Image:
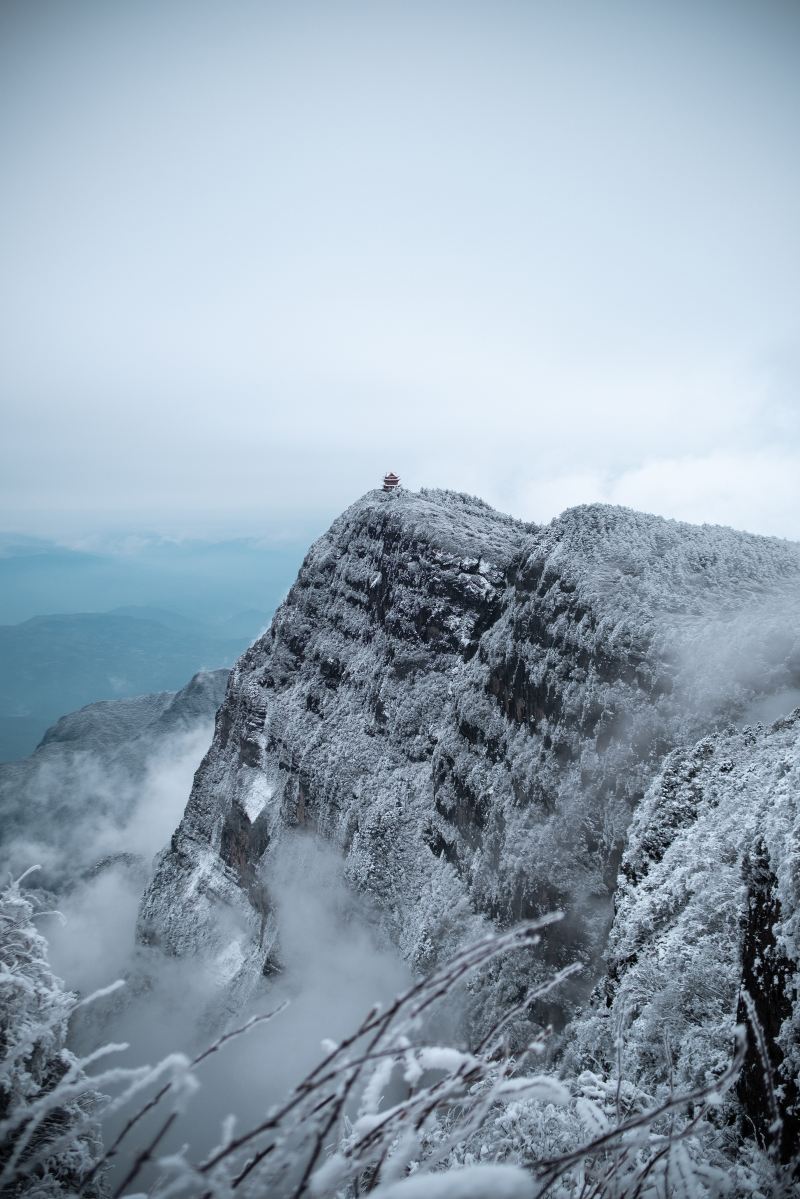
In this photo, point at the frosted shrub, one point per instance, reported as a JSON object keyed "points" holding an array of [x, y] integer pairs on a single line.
{"points": [[338, 1132], [383, 1113], [49, 1138], [50, 1107]]}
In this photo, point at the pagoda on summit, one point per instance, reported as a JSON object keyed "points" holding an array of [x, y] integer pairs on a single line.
{"points": [[390, 481]]}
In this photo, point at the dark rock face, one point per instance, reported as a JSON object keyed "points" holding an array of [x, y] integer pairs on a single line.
{"points": [[766, 1089], [708, 906], [334, 714], [471, 708]]}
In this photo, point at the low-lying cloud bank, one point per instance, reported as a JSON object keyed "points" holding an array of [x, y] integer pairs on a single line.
{"points": [[95, 826], [76, 809], [335, 966]]}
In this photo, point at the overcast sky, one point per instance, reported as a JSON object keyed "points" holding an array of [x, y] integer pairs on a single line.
{"points": [[255, 254]]}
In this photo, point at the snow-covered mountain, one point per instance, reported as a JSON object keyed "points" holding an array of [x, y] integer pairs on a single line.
{"points": [[486, 720], [472, 709]]}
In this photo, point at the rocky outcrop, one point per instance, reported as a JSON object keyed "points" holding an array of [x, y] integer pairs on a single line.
{"points": [[332, 721], [767, 1087], [471, 708], [705, 934], [89, 772]]}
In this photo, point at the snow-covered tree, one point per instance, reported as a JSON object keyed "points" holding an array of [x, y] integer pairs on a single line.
{"points": [[49, 1136], [385, 1112]]}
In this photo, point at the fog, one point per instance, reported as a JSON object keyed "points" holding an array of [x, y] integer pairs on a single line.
{"points": [[73, 810], [335, 967], [742, 663], [335, 964], [772, 707]]}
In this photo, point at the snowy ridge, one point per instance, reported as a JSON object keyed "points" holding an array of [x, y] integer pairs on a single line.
{"points": [[471, 708]]}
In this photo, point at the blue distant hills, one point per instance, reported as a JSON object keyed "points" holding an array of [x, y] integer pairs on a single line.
{"points": [[81, 627], [208, 581]]}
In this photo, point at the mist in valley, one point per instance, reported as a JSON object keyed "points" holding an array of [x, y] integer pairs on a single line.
{"points": [[335, 963]]}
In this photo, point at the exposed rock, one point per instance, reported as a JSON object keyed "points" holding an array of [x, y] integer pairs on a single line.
{"points": [[767, 1087], [471, 708], [708, 907]]}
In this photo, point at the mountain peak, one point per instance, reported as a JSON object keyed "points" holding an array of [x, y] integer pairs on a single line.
{"points": [[492, 692]]}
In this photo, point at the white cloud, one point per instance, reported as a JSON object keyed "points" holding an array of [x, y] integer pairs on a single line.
{"points": [[758, 491], [479, 250]]}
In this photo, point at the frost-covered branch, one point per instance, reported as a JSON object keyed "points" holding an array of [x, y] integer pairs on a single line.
{"points": [[385, 1112]]}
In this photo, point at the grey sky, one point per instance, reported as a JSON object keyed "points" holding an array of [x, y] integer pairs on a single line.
{"points": [[255, 254]]}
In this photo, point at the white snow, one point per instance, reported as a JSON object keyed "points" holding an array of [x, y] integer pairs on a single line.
{"points": [[228, 963], [479, 741], [470, 1182], [256, 796]]}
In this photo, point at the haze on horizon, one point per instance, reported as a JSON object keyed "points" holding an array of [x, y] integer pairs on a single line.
{"points": [[255, 255]]}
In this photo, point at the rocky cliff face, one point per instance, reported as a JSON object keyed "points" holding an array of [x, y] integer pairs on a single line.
{"points": [[471, 708], [705, 934]]}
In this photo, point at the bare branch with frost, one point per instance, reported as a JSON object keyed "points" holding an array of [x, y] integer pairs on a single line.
{"points": [[336, 1133]]}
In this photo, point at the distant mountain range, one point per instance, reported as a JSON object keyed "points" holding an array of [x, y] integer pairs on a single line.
{"points": [[54, 664], [138, 616], [204, 580]]}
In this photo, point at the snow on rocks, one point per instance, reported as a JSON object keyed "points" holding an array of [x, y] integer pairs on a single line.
{"points": [[707, 907], [471, 708]]}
